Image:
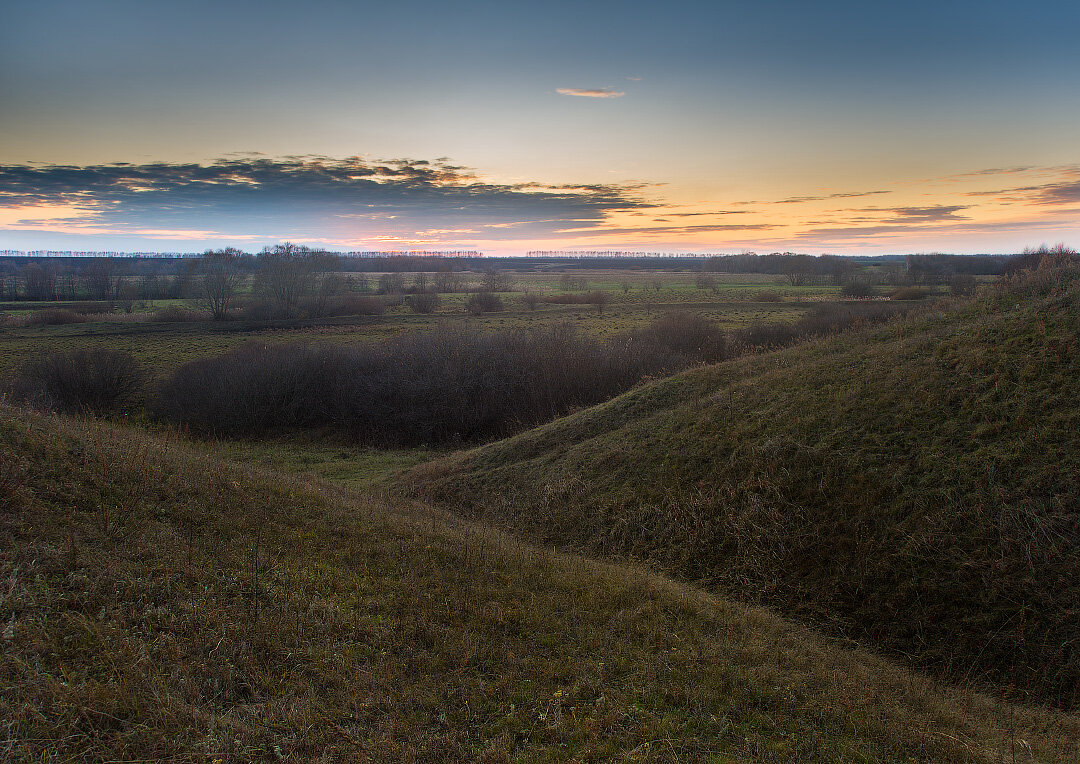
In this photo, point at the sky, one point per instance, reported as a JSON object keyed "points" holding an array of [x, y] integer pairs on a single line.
{"points": [[827, 127]]}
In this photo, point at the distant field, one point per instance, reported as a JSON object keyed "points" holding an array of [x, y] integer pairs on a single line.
{"points": [[634, 302]]}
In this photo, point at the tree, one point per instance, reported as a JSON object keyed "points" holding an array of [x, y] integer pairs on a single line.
{"points": [[797, 268], [101, 274], [287, 273], [447, 280], [391, 283], [420, 283], [40, 281], [221, 276], [705, 281], [495, 280], [598, 298]]}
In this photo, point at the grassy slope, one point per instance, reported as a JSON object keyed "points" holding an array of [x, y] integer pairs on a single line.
{"points": [[159, 603], [917, 485]]}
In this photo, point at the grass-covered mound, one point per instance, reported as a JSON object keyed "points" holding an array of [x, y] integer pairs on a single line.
{"points": [[159, 604], [915, 485]]}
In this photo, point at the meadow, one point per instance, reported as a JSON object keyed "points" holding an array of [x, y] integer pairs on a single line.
{"points": [[723, 520], [634, 300]]}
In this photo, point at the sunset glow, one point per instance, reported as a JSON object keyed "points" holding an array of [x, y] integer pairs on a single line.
{"points": [[692, 127]]}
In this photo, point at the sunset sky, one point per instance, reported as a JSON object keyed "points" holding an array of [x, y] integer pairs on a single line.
{"points": [[845, 127]]}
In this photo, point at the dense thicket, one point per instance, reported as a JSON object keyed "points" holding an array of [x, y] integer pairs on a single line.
{"points": [[443, 386], [452, 385], [80, 381]]}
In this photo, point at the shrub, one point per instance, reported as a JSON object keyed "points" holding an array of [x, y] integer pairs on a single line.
{"points": [[55, 317], [483, 302], [823, 319], [767, 295], [425, 302], [88, 381], [90, 307], [354, 305], [1041, 257], [564, 299], [694, 337], [434, 387], [531, 300], [176, 314], [962, 285], [859, 289], [911, 293], [449, 386]]}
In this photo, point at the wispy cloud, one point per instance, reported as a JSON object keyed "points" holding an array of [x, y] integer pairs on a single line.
{"points": [[932, 214], [591, 92], [841, 195]]}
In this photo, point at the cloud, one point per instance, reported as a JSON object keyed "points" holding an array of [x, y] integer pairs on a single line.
{"points": [[929, 214], [304, 197], [677, 230], [801, 199], [843, 195], [591, 93]]}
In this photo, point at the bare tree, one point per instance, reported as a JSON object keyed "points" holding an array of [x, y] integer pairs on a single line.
{"points": [[101, 275], [447, 280], [599, 299], [495, 280], [40, 281], [288, 273], [221, 276]]}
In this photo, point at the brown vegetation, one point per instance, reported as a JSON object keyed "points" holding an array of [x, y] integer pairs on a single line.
{"points": [[913, 486], [161, 605]]}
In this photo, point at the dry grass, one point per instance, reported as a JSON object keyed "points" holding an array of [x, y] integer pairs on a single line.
{"points": [[160, 604], [913, 486]]}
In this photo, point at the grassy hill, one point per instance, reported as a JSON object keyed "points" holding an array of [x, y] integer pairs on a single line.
{"points": [[158, 603], [915, 486]]}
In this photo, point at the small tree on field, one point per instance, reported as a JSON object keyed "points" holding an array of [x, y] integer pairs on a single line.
{"points": [[423, 302], [598, 298], [962, 285], [483, 302], [391, 283], [447, 281], [705, 281], [495, 280]]}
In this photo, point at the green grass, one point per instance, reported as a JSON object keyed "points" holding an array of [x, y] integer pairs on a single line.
{"points": [[159, 603], [914, 486], [163, 347], [320, 455]]}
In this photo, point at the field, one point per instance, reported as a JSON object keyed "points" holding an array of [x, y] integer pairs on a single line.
{"points": [[854, 545], [165, 346], [634, 301], [163, 604]]}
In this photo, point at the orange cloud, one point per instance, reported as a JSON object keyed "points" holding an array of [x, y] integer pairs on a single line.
{"points": [[591, 93]]}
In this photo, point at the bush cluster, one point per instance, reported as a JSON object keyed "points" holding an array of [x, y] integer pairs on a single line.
{"points": [[914, 292], [81, 381], [824, 319], [443, 386], [55, 317]]}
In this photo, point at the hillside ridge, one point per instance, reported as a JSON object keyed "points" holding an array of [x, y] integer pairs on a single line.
{"points": [[914, 486]]}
